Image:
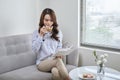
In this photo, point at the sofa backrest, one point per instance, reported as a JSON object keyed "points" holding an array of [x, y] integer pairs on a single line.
{"points": [[16, 52]]}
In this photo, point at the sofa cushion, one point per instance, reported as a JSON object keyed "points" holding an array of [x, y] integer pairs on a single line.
{"points": [[66, 45], [70, 67], [16, 52], [29, 73], [15, 44], [11, 62], [73, 57], [26, 73]]}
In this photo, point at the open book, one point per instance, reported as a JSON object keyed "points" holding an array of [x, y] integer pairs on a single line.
{"points": [[63, 51]]}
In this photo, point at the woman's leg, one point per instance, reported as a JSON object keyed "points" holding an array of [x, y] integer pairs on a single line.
{"points": [[62, 69], [50, 65], [47, 64], [55, 73]]}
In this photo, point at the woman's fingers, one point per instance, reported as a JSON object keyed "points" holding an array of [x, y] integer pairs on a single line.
{"points": [[49, 28], [59, 56], [43, 31]]}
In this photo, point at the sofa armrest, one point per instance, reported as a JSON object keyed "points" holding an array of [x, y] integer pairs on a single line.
{"points": [[73, 58]]}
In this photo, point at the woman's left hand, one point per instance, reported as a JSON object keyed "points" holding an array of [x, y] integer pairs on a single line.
{"points": [[59, 57]]}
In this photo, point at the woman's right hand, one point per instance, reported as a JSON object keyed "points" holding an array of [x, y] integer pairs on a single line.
{"points": [[43, 30]]}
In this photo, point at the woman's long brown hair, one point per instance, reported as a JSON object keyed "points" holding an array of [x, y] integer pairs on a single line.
{"points": [[53, 17]]}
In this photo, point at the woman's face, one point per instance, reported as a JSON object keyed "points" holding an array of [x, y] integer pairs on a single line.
{"points": [[48, 21]]}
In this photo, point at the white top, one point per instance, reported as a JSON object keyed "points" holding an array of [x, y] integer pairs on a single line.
{"points": [[45, 46]]}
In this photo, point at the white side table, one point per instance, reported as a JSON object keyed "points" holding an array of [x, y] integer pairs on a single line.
{"points": [[110, 74]]}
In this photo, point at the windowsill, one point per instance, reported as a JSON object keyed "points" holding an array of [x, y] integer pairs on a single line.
{"points": [[100, 50]]}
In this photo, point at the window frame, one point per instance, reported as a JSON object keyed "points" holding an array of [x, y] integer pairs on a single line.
{"points": [[82, 24]]}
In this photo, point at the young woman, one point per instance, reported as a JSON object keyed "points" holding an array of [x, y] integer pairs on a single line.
{"points": [[45, 42]]}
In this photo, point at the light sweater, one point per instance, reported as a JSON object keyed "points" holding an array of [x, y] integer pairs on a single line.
{"points": [[45, 46]]}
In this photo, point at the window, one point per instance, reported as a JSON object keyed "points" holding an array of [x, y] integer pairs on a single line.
{"points": [[100, 21]]}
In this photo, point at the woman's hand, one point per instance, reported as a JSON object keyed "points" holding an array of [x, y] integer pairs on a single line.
{"points": [[43, 30], [59, 57], [49, 28]]}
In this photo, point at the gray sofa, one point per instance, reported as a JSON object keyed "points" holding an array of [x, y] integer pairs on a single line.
{"points": [[17, 61]]}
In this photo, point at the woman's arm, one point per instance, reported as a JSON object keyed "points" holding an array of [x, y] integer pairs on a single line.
{"points": [[37, 41]]}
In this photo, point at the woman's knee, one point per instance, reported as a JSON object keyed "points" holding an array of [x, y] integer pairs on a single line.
{"points": [[54, 70], [39, 68], [42, 68], [59, 60], [55, 73]]}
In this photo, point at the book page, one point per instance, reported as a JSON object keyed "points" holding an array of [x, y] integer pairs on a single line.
{"points": [[63, 51]]}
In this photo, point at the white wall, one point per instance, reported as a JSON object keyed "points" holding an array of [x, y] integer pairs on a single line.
{"points": [[87, 58], [17, 17], [66, 12], [40, 5]]}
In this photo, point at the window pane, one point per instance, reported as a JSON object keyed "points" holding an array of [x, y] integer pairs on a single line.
{"points": [[102, 23]]}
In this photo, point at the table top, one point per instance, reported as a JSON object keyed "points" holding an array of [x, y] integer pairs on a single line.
{"points": [[110, 74]]}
